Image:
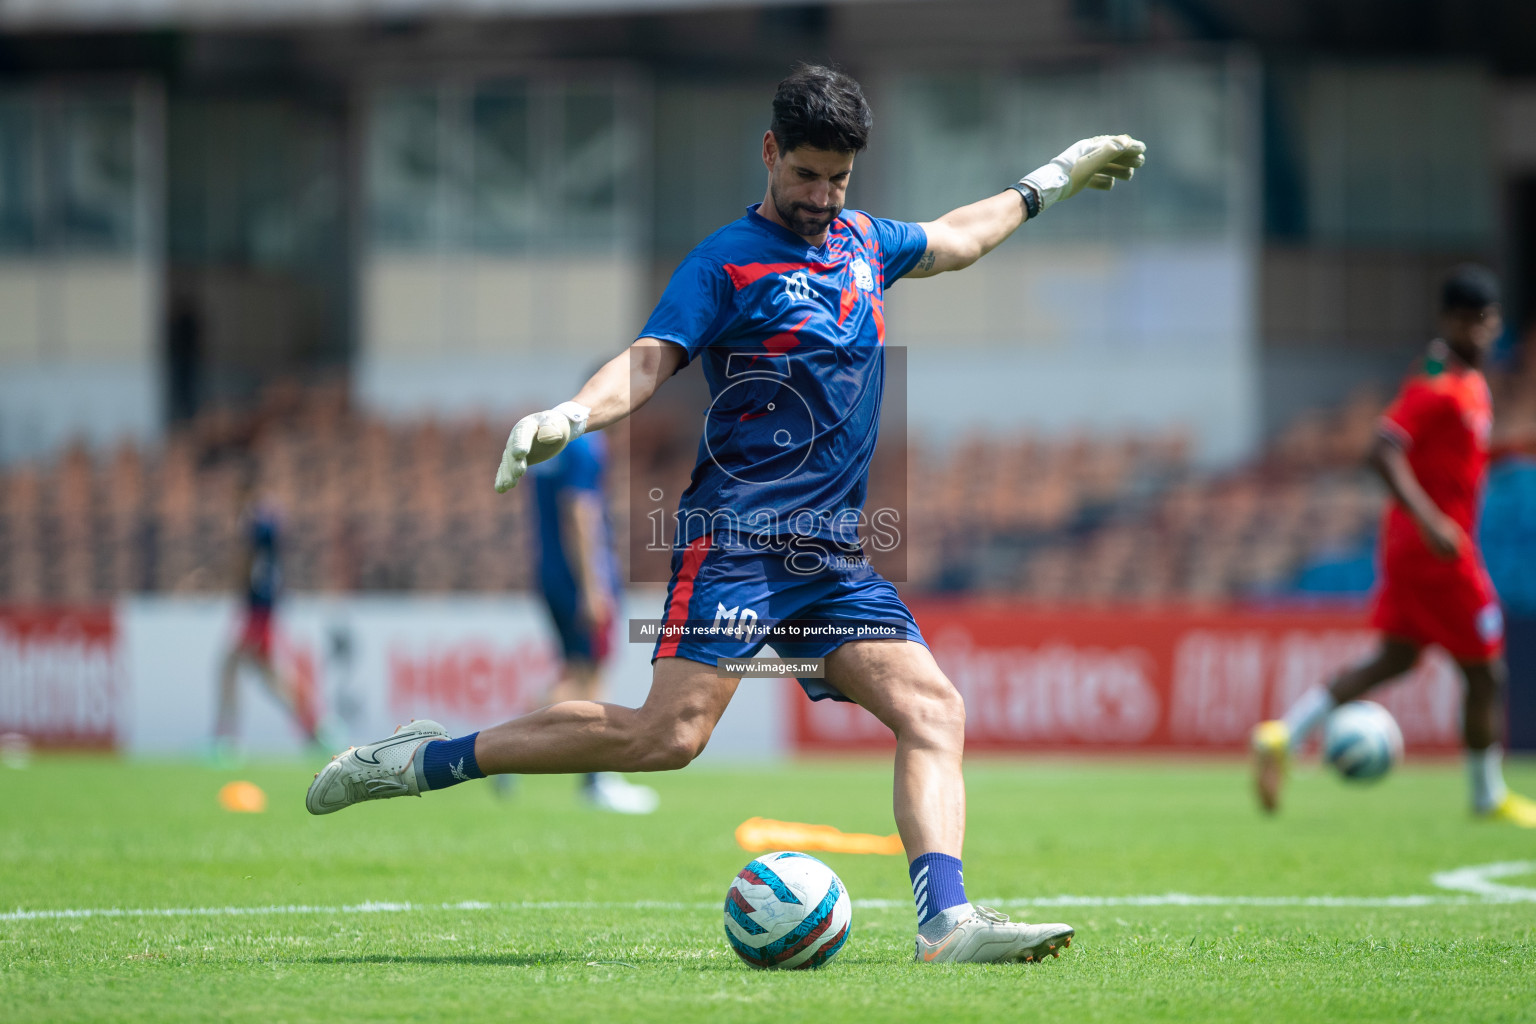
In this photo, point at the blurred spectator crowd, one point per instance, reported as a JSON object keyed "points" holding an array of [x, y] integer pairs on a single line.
{"points": [[375, 505], [364, 505]]}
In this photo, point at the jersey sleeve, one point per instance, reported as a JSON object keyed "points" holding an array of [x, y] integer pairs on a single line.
{"points": [[695, 307], [902, 244], [1411, 417]]}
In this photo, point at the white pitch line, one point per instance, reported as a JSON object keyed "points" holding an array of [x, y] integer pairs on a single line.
{"points": [[387, 907], [1478, 880], [1172, 899], [1475, 882]]}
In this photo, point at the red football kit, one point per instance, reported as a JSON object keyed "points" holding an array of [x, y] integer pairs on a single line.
{"points": [[1442, 422], [256, 633]]}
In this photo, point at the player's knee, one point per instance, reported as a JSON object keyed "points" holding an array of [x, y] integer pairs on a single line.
{"points": [[933, 711], [669, 755], [670, 749]]}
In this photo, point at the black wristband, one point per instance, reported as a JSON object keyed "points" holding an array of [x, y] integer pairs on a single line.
{"points": [[1031, 199]]}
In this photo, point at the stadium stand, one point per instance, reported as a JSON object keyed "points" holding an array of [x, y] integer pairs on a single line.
{"points": [[370, 505]]}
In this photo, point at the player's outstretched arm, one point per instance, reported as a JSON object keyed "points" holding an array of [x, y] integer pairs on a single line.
{"points": [[965, 235], [618, 388], [1520, 445]]}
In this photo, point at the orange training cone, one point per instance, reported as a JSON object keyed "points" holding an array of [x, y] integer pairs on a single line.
{"points": [[242, 798], [756, 834]]}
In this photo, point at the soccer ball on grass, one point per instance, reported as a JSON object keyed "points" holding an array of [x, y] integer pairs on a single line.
{"points": [[787, 910], [1362, 741]]}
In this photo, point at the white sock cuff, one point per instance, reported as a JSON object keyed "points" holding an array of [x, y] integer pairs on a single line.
{"points": [[1485, 770], [1308, 713]]}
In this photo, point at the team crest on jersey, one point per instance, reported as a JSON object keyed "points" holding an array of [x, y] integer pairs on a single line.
{"points": [[863, 276]]}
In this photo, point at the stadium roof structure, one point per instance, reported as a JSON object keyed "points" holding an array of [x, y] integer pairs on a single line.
{"points": [[89, 14]]}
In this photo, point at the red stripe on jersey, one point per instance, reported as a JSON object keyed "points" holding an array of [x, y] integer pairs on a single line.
{"points": [[867, 226], [750, 273], [682, 593], [783, 342], [845, 304]]}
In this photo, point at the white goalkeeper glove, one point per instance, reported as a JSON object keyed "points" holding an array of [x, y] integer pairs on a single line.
{"points": [[537, 438], [1092, 163]]}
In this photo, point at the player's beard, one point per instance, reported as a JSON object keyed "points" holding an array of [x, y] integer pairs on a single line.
{"points": [[803, 219]]}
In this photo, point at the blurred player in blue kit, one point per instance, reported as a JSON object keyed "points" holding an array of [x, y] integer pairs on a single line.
{"points": [[258, 578], [579, 579], [785, 309]]}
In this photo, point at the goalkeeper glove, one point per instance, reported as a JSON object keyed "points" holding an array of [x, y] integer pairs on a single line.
{"points": [[1092, 163], [537, 438]]}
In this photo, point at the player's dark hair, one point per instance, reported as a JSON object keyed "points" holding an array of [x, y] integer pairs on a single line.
{"points": [[822, 108], [1469, 286]]}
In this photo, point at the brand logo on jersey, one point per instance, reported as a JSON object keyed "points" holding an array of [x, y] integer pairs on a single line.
{"points": [[863, 276], [798, 287], [1490, 624], [737, 622]]}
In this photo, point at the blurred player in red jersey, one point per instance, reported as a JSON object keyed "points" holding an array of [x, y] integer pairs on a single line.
{"points": [[1432, 450]]}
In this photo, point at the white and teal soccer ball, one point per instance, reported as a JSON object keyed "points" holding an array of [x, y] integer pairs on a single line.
{"points": [[787, 910], [1362, 741]]}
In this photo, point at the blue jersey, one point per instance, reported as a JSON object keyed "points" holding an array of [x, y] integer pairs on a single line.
{"points": [[266, 577], [578, 469], [792, 337]]}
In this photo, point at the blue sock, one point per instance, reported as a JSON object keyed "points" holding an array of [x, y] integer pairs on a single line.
{"points": [[445, 763], [937, 885]]}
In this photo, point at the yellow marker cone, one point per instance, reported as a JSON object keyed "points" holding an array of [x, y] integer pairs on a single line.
{"points": [[242, 798], [757, 834]]}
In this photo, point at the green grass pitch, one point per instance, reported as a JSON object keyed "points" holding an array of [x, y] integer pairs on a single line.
{"points": [[85, 833]]}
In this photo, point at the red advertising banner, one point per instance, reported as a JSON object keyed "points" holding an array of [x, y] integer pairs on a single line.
{"points": [[1036, 679], [59, 676], [470, 679]]}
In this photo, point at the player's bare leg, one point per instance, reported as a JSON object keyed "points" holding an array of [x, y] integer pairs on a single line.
{"points": [[668, 731], [1274, 740], [1482, 732], [229, 697], [227, 723], [900, 684], [581, 679], [1396, 657], [286, 693], [665, 733], [1483, 717], [273, 681]]}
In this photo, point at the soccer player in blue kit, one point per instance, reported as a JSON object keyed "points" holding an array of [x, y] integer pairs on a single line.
{"points": [[785, 307], [258, 576]]}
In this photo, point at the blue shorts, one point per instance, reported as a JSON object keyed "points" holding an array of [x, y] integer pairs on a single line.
{"points": [[736, 600]]}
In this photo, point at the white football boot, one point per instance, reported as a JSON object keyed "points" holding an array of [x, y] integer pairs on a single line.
{"points": [[611, 792], [987, 937], [372, 772]]}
